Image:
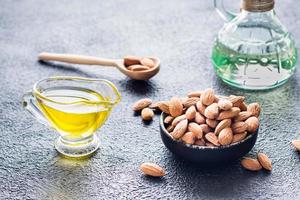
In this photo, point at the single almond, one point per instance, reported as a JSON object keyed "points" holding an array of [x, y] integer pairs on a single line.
{"points": [[264, 161], [207, 97], [195, 94], [147, 114], [211, 137], [131, 60], [190, 113], [225, 136], [254, 108], [196, 129], [175, 107], [212, 123], [170, 128], [200, 142], [147, 62], [189, 138], [178, 119], [236, 100], [141, 104], [224, 104], [168, 119], [200, 107], [223, 124], [164, 106], [228, 114], [296, 144], [190, 101], [239, 127], [200, 119], [251, 164], [252, 124], [205, 128], [239, 137], [138, 68], [212, 111], [243, 106], [242, 116], [180, 129], [152, 169]]}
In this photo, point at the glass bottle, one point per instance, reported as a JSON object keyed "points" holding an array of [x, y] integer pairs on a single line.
{"points": [[253, 50]]}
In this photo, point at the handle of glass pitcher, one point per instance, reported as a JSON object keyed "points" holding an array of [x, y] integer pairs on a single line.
{"points": [[29, 103], [222, 11]]}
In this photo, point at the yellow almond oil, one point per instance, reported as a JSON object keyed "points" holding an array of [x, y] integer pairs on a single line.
{"points": [[74, 112]]}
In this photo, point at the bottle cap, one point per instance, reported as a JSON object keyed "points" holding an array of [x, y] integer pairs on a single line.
{"points": [[257, 5]]}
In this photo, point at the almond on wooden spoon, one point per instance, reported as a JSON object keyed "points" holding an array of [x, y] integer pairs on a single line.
{"points": [[144, 68]]}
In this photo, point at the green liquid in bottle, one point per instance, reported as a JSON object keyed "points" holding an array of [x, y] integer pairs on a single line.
{"points": [[247, 71]]}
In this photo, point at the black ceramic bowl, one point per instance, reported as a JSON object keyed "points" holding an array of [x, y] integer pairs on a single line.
{"points": [[204, 154]]}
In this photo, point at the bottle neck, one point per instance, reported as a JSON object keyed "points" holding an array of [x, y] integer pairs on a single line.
{"points": [[264, 13], [257, 5]]}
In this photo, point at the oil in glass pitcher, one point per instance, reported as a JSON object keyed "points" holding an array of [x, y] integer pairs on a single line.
{"points": [[253, 50]]}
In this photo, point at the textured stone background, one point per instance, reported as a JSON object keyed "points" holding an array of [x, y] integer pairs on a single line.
{"points": [[181, 34]]}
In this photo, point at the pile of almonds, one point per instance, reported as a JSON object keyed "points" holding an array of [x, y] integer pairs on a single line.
{"points": [[206, 119], [135, 63]]}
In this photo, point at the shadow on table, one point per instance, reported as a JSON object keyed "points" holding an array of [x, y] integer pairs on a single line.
{"points": [[219, 181]]}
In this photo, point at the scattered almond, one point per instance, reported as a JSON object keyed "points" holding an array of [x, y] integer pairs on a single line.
{"points": [[164, 106], [252, 124], [296, 144], [207, 97], [194, 94], [147, 114], [212, 123], [239, 137], [168, 119], [264, 161], [190, 101], [236, 100], [190, 113], [189, 138], [223, 124], [178, 119], [200, 107], [251, 164], [152, 169], [200, 119], [141, 104], [224, 104], [225, 136], [239, 127], [180, 129], [243, 106], [212, 138], [205, 128], [196, 129], [254, 108], [175, 107], [212, 111], [228, 114], [242, 116]]}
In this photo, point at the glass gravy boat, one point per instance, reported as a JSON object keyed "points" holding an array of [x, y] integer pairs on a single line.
{"points": [[75, 107]]}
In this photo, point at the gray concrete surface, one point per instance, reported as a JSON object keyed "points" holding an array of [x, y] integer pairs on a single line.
{"points": [[180, 33]]}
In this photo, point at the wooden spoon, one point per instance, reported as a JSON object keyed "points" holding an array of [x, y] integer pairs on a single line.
{"points": [[89, 60]]}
